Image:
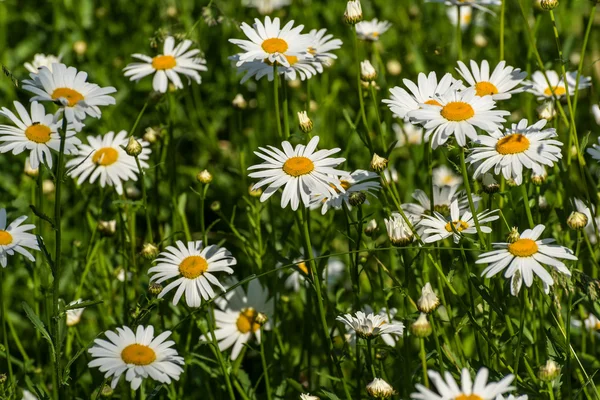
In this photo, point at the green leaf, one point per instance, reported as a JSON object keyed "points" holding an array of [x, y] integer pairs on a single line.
{"points": [[83, 304], [41, 215], [155, 392], [329, 395], [39, 325]]}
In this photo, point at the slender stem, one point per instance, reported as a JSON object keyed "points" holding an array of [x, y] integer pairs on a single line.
{"points": [[264, 364], [276, 99], [521, 329], [424, 362], [502, 19], [437, 342], [137, 120], [370, 365], [567, 374], [149, 237], [286, 121], [526, 204], [379, 125], [459, 54], [471, 298], [202, 223], [56, 320], [465, 175], [361, 101], [211, 327], [4, 334], [583, 50], [551, 390]]}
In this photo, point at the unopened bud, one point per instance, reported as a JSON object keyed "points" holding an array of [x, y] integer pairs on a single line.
{"points": [[107, 228], [215, 206], [547, 110], [421, 328], [31, 172], [577, 220], [428, 301], [549, 4], [394, 67], [254, 192], [2, 379], [151, 135], [133, 148], [353, 13], [490, 185], [80, 47], [204, 177], [305, 123], [367, 71], [539, 179], [155, 288], [48, 186], [357, 198], [149, 251], [378, 164], [514, 235], [371, 228], [380, 389], [106, 391], [549, 371], [239, 102]]}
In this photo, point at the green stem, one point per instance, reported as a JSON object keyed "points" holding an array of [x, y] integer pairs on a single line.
{"points": [[459, 54], [466, 181], [202, 223], [361, 101], [424, 362], [149, 237], [502, 19], [370, 365], [137, 120], [11, 378], [521, 329], [219, 355], [437, 343], [286, 122], [264, 364], [526, 204], [551, 390], [379, 125], [276, 99]]}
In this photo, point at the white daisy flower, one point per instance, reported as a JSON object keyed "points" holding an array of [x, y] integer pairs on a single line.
{"points": [[138, 355], [269, 43], [371, 30], [358, 181], [41, 60], [27, 395], [298, 276], [442, 198], [106, 158], [321, 48], [391, 175], [36, 132], [67, 86], [466, 16], [399, 233], [519, 147], [389, 339], [458, 113], [444, 176], [448, 389], [167, 66], [408, 133], [308, 396], [194, 267], [543, 90], [437, 227], [15, 238], [524, 258], [332, 273], [236, 322], [464, 4], [501, 84], [511, 397], [591, 323], [74, 314], [299, 68], [589, 229], [596, 113], [595, 151], [424, 92], [266, 6], [369, 326], [301, 170]]}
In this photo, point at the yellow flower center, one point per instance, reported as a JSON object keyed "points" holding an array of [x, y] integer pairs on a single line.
{"points": [[312, 50], [138, 354], [296, 166], [292, 59], [433, 102], [468, 397], [344, 184], [512, 144], [458, 225], [193, 266], [72, 96], [485, 89], [597, 327], [105, 156], [275, 45], [302, 266], [448, 179], [457, 111], [523, 248], [558, 90], [246, 322], [164, 62], [38, 133], [5, 238], [375, 34]]}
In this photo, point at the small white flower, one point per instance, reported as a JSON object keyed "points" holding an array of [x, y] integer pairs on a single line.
{"points": [[353, 13], [137, 355], [444, 176], [407, 134], [15, 238], [358, 181], [41, 60], [321, 48], [371, 30], [428, 301], [371, 325], [74, 315], [266, 6], [442, 198], [466, 16], [367, 71], [556, 86], [398, 230], [596, 113]]}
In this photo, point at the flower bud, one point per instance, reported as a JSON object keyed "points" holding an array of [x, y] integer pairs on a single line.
{"points": [[367, 71], [239, 102], [480, 40], [549, 4], [428, 301], [305, 123], [133, 192], [547, 110], [133, 148], [149, 251], [378, 164], [353, 13], [490, 185], [394, 67], [549, 371], [2, 379], [151, 135], [155, 288], [514, 235], [254, 192], [80, 47], [48, 186], [421, 328], [107, 228], [204, 177], [357, 198], [380, 389], [261, 318], [31, 172], [539, 179], [306, 396], [106, 391], [215, 206], [371, 228], [577, 220]]}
